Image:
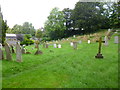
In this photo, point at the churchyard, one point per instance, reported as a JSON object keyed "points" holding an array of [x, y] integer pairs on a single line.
{"points": [[65, 65]]}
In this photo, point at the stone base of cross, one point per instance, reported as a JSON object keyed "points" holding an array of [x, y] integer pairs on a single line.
{"points": [[99, 56]]}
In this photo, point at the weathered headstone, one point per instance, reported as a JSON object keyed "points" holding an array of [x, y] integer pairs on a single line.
{"points": [[88, 41], [71, 43], [59, 45], [106, 41], [99, 55], [74, 36], [18, 52], [116, 40], [23, 49], [55, 45], [8, 52], [46, 45], [1, 52], [74, 45]]}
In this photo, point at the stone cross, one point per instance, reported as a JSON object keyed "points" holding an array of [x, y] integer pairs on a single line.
{"points": [[106, 41], [74, 45], [116, 39], [8, 52], [18, 52], [99, 55]]}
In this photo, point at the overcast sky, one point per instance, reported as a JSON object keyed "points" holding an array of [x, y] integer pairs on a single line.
{"points": [[34, 11]]}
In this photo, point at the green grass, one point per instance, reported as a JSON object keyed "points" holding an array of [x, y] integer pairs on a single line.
{"points": [[64, 68]]}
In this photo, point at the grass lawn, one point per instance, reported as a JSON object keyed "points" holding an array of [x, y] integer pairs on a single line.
{"points": [[64, 68]]}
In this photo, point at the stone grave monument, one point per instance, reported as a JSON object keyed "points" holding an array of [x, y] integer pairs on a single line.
{"points": [[18, 52]]}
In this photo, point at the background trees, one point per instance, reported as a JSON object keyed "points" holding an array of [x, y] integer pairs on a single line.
{"points": [[54, 26]]}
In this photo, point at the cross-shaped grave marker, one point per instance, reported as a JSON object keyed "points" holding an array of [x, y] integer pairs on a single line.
{"points": [[99, 55]]}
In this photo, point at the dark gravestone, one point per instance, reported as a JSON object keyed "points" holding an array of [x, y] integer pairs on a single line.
{"points": [[99, 55], [8, 52]]}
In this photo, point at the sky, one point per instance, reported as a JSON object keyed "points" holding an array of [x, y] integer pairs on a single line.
{"points": [[33, 11]]}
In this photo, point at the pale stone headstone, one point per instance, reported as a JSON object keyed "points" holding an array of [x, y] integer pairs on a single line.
{"points": [[88, 41], [0, 45], [71, 43], [55, 45], [59, 45], [106, 41], [80, 42], [8, 52], [74, 36], [18, 52], [74, 45], [116, 39]]}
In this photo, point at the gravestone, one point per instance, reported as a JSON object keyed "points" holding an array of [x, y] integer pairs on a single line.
{"points": [[1, 52], [18, 52], [116, 41], [55, 45], [99, 55], [74, 45], [23, 49], [8, 52], [13, 51], [59, 45], [88, 41], [106, 41], [80, 42], [74, 36], [46, 45], [71, 43]]}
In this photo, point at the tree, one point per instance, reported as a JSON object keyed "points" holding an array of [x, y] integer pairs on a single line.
{"points": [[54, 26], [4, 28], [88, 17], [114, 15], [68, 13], [38, 34]]}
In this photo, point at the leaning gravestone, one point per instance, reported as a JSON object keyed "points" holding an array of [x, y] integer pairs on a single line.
{"points": [[74, 45], [8, 52], [106, 41], [1, 52], [18, 52], [116, 39]]}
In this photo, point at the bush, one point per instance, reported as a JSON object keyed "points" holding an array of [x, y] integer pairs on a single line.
{"points": [[27, 42]]}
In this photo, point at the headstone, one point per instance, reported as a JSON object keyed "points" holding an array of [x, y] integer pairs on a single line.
{"points": [[99, 55], [23, 49], [88, 41], [80, 42], [71, 43], [106, 41], [18, 52], [59, 45], [8, 52], [46, 45], [74, 36], [116, 40], [1, 52], [74, 45], [55, 45]]}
